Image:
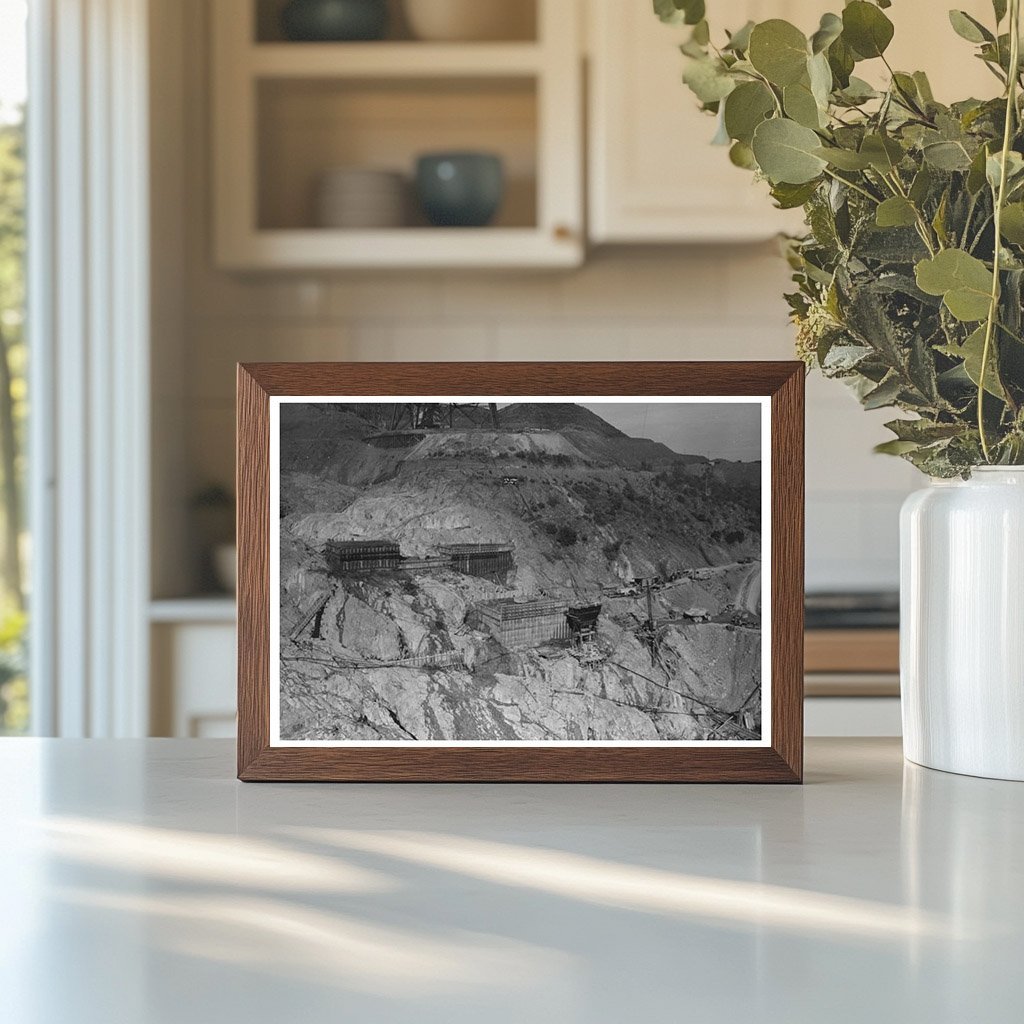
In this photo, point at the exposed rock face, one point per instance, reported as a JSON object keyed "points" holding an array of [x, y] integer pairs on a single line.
{"points": [[388, 655]]}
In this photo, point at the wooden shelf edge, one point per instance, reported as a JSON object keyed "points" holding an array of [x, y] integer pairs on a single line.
{"points": [[406, 248], [852, 650], [392, 60]]}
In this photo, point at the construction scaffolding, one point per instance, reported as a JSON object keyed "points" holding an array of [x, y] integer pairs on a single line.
{"points": [[583, 623], [522, 624], [348, 556], [489, 561]]}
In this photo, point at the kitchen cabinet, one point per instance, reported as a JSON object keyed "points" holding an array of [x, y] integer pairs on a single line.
{"points": [[192, 648], [653, 175], [286, 113]]}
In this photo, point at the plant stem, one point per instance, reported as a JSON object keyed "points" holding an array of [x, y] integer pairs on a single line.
{"points": [[856, 188], [923, 228], [993, 309]]}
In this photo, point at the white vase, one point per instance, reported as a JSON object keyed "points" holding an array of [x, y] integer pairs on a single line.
{"points": [[962, 624]]}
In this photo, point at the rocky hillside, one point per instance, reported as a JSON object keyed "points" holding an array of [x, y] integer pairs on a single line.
{"points": [[390, 654]]}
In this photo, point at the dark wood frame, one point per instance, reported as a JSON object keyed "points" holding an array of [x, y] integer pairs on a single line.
{"points": [[782, 761]]}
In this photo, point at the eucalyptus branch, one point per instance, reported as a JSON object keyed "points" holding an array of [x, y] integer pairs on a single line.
{"points": [[850, 184], [875, 302], [1000, 200]]}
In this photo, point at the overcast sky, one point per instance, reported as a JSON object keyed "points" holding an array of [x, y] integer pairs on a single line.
{"points": [[717, 430]]}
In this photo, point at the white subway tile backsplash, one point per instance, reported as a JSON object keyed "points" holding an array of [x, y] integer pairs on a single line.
{"points": [[573, 341], [755, 282], [510, 297], [455, 342], [714, 340], [413, 296], [645, 285], [247, 298]]}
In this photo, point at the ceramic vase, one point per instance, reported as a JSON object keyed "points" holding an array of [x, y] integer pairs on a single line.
{"points": [[962, 624]]}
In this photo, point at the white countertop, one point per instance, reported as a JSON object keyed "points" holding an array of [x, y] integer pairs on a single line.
{"points": [[143, 885]]}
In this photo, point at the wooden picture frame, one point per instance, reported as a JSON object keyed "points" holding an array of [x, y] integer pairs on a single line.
{"points": [[777, 757]]}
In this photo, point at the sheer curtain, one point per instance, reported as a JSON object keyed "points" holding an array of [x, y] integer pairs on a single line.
{"points": [[88, 299]]}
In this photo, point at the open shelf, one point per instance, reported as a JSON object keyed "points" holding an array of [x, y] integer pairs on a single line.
{"points": [[308, 127], [520, 17]]}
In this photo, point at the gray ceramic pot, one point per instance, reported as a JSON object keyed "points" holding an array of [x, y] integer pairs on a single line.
{"points": [[460, 189], [334, 20]]}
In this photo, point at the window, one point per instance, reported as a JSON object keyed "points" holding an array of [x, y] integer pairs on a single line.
{"points": [[14, 548]]}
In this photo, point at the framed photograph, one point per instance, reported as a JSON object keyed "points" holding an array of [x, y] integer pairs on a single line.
{"points": [[520, 572]]}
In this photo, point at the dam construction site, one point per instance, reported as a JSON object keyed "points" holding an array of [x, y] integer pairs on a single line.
{"points": [[523, 573]]}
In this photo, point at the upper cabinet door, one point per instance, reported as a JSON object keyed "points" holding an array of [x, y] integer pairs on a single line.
{"points": [[653, 174]]}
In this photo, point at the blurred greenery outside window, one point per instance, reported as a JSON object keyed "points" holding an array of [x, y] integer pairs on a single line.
{"points": [[14, 548]]}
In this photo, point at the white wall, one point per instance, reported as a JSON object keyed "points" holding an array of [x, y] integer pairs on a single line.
{"points": [[665, 303]]}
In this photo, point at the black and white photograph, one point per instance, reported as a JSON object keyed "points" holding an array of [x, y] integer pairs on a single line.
{"points": [[532, 571]]}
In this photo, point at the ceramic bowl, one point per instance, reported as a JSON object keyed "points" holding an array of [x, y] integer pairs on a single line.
{"points": [[460, 189], [470, 20], [334, 20], [359, 197]]}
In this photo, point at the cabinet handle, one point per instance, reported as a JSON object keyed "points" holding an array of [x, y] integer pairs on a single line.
{"points": [[563, 232]]}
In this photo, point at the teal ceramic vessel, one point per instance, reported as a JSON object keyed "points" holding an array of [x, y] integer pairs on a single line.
{"points": [[334, 21], [461, 190]]}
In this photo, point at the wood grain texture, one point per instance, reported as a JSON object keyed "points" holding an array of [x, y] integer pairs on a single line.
{"points": [[781, 762]]}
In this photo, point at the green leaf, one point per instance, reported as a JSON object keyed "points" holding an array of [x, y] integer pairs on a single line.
{"points": [[841, 60], [1012, 226], [844, 159], [820, 76], [789, 197], [739, 41], [778, 50], [785, 152], [969, 28], [923, 431], [1014, 169], [676, 12], [924, 87], [939, 220], [866, 29], [829, 30], [946, 156], [741, 155], [746, 107], [882, 153], [800, 105], [884, 395], [896, 212], [976, 173], [896, 447], [858, 91], [999, 7], [963, 281], [921, 185], [971, 352], [708, 80]]}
